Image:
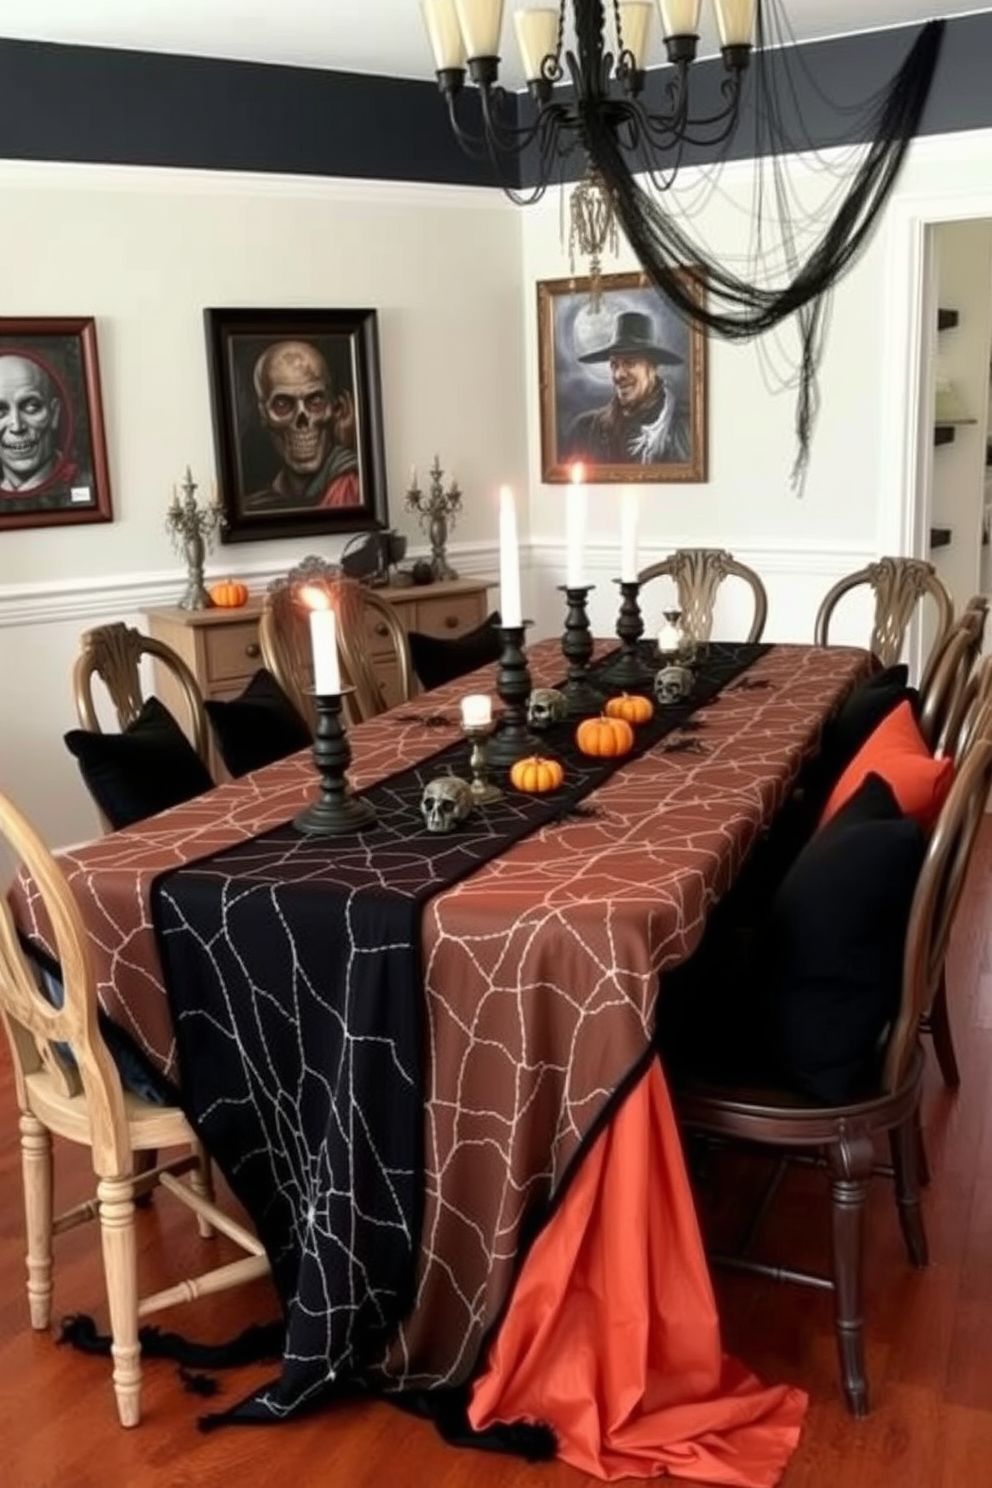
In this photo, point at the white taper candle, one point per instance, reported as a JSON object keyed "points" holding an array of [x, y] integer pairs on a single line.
{"points": [[575, 528], [628, 536], [509, 560], [324, 643]]}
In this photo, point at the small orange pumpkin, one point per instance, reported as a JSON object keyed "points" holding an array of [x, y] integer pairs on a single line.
{"points": [[229, 594], [604, 736], [537, 774], [631, 706]]}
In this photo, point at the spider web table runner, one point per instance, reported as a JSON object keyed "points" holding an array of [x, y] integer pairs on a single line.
{"points": [[293, 970]]}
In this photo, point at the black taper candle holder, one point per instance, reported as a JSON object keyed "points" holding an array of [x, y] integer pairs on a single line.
{"points": [[581, 697], [629, 670], [336, 810], [513, 740]]}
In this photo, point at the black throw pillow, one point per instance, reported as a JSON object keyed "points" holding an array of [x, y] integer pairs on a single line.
{"points": [[439, 659], [855, 720], [257, 728], [144, 770], [829, 953]]}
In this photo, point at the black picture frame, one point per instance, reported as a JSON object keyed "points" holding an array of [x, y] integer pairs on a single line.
{"points": [[297, 413], [53, 448], [580, 417]]}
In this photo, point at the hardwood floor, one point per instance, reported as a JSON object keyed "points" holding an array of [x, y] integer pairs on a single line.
{"points": [[929, 1332]]}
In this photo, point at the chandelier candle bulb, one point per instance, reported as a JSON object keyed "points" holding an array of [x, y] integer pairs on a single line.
{"points": [[445, 34], [537, 38], [680, 17], [575, 528], [635, 17], [481, 22], [477, 710], [628, 536], [735, 22], [509, 560]]}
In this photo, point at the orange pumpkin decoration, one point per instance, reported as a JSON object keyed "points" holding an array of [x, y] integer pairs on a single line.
{"points": [[631, 706], [536, 774], [229, 594], [604, 736]]}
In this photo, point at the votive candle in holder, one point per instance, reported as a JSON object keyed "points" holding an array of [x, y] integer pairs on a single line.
{"points": [[511, 610], [477, 710], [324, 643]]}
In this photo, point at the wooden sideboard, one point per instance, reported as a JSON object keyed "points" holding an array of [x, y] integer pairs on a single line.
{"points": [[221, 646]]}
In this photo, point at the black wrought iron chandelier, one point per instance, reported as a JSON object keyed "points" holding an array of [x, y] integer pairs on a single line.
{"points": [[633, 128]]}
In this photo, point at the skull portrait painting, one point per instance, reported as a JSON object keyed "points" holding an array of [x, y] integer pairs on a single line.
{"points": [[311, 423]]}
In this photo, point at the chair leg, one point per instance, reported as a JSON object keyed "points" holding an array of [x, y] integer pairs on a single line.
{"points": [[903, 1141], [201, 1181], [850, 1161], [36, 1176], [922, 1160], [120, 1268], [943, 1040]]}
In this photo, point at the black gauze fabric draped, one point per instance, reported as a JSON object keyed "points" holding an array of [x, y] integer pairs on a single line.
{"points": [[738, 310]]}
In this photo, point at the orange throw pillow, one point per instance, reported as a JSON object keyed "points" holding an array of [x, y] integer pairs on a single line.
{"points": [[898, 752]]}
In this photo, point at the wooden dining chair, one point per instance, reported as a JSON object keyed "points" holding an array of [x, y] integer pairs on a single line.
{"points": [[945, 684], [842, 1135], [973, 618], [67, 1085], [899, 586], [113, 654], [365, 624], [698, 574], [957, 734]]}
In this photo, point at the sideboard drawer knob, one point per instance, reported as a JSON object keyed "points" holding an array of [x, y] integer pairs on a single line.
{"points": [[382, 628], [451, 622], [253, 649]]}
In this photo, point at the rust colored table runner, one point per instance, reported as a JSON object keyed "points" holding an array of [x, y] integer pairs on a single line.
{"points": [[540, 970], [295, 988]]}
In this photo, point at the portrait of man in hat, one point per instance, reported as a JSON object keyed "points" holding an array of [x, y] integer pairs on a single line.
{"points": [[622, 382]]}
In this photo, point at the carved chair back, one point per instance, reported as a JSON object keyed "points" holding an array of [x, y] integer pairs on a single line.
{"points": [[945, 692], [698, 574], [899, 585], [113, 653]]}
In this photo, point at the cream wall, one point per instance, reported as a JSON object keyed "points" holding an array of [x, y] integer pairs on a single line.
{"points": [[144, 252]]}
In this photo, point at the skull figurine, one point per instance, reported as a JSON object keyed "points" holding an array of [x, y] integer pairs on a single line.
{"points": [[672, 684], [545, 706], [445, 803]]}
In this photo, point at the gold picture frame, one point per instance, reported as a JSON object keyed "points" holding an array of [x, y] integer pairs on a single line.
{"points": [[602, 366]]}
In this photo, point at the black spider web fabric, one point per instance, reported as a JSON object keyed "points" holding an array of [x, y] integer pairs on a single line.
{"points": [[293, 970]]}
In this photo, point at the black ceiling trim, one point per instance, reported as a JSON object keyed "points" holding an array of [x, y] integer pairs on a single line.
{"points": [[92, 104]]}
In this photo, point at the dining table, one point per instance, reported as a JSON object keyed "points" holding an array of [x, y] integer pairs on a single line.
{"points": [[557, 1273]]}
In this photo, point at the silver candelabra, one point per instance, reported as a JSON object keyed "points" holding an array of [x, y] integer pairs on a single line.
{"points": [[191, 528], [436, 509]]}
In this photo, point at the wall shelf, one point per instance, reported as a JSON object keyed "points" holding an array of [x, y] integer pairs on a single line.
{"points": [[945, 431]]}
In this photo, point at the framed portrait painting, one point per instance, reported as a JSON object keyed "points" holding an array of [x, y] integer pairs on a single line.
{"points": [[623, 383], [53, 451], [297, 415]]}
